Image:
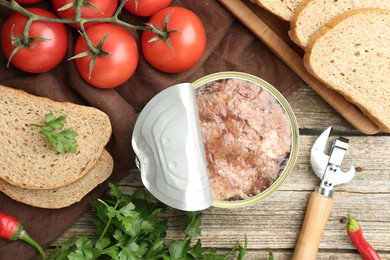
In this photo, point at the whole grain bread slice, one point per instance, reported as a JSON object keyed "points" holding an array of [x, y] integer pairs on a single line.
{"points": [[27, 159], [283, 9], [66, 195], [351, 55], [311, 15]]}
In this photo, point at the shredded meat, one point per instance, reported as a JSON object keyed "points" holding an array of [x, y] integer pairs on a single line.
{"points": [[247, 137]]}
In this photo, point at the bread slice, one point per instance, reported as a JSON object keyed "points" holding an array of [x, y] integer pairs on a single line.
{"points": [[284, 9], [27, 159], [351, 55], [66, 195], [311, 15]]}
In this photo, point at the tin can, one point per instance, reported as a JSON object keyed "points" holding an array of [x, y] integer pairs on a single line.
{"points": [[170, 148]]}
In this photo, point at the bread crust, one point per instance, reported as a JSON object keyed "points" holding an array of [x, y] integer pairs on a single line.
{"points": [[279, 8], [311, 15], [27, 160], [63, 196], [294, 20], [367, 109]]}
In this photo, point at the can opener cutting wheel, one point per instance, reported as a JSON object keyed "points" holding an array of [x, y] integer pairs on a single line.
{"points": [[327, 168]]}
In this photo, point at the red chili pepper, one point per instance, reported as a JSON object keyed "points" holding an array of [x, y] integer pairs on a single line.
{"points": [[355, 233], [12, 229]]}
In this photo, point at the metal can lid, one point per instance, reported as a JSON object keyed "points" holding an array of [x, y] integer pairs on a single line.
{"points": [[167, 141]]}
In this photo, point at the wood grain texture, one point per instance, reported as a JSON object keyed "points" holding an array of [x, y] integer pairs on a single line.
{"points": [[275, 222], [317, 213]]}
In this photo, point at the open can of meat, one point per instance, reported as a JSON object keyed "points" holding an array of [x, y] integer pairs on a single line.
{"points": [[228, 140]]}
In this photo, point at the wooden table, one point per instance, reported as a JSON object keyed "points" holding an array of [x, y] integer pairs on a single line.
{"points": [[275, 222]]}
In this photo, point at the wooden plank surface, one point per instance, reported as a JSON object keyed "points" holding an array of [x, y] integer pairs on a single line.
{"points": [[275, 222]]}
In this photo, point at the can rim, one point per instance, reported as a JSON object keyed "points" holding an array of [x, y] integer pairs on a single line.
{"points": [[293, 124]]}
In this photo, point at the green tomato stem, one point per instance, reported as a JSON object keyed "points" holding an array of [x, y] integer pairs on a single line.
{"points": [[77, 14], [94, 50], [77, 19], [25, 38]]}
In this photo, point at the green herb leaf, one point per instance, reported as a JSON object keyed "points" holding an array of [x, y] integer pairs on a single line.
{"points": [[197, 251], [84, 249], [242, 249], [270, 255], [132, 227], [156, 248], [102, 243], [179, 249], [56, 123], [193, 226], [133, 251], [61, 140]]}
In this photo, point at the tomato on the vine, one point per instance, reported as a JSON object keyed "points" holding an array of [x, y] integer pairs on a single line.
{"points": [[90, 9], [45, 47], [145, 7], [116, 61], [184, 44]]}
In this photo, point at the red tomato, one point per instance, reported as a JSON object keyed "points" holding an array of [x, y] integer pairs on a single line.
{"points": [[27, 2], [100, 9], [120, 63], [146, 7], [42, 55], [188, 43]]}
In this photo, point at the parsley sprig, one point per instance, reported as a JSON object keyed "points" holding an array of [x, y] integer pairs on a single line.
{"points": [[61, 140], [131, 227]]}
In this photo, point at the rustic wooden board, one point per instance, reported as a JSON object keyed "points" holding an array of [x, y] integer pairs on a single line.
{"points": [[273, 33]]}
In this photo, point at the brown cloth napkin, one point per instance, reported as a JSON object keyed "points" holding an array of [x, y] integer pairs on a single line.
{"points": [[230, 47]]}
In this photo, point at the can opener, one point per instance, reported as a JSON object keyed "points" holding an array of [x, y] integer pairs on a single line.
{"points": [[327, 168]]}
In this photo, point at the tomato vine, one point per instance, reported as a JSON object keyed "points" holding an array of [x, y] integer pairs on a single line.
{"points": [[14, 6], [173, 40]]}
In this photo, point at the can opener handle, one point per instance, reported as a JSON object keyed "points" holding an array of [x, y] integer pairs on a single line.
{"points": [[316, 217], [321, 202]]}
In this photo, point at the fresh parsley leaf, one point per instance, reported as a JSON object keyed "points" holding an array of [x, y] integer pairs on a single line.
{"points": [[102, 243], [155, 248], [125, 215], [197, 251], [193, 226], [242, 249], [271, 255], [82, 249], [178, 249], [61, 140], [56, 123], [132, 227], [133, 251], [115, 192], [62, 252]]}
